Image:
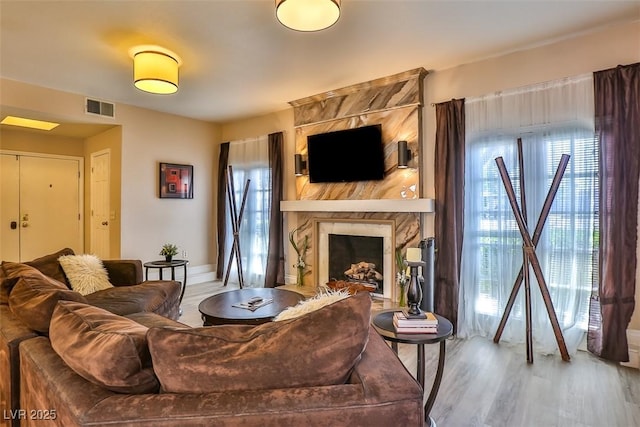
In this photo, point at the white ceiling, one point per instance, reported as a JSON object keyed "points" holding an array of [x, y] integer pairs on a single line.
{"points": [[238, 61]]}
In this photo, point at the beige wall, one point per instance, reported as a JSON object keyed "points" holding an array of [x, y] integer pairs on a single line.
{"points": [[39, 142], [591, 52], [147, 138]]}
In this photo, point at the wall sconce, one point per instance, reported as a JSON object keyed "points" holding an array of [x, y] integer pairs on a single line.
{"points": [[404, 155], [300, 164]]}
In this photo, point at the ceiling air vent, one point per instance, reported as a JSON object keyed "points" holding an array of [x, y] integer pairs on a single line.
{"points": [[101, 108]]}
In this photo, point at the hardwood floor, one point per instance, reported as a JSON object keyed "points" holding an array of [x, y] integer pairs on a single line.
{"points": [[490, 385]]}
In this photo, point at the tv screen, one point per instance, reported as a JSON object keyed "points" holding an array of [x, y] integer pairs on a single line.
{"points": [[346, 155]]}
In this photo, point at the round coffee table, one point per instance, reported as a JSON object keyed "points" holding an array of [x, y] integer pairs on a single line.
{"points": [[219, 309], [383, 323]]}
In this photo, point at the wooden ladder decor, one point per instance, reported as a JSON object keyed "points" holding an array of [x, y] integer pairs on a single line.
{"points": [[530, 257], [236, 221]]}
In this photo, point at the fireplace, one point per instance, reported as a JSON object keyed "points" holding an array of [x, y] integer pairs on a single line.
{"points": [[357, 259], [356, 250]]}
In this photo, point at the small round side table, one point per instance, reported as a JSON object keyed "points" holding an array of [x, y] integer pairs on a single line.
{"points": [[161, 265], [383, 323]]}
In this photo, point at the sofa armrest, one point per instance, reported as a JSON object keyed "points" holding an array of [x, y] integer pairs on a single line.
{"points": [[123, 272], [12, 333], [384, 377]]}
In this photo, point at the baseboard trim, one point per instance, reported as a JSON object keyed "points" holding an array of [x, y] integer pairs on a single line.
{"points": [[633, 341]]}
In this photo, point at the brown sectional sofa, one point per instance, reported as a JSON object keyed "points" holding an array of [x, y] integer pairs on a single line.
{"points": [[130, 296], [231, 375]]}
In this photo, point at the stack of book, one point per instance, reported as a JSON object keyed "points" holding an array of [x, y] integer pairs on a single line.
{"points": [[425, 323]]}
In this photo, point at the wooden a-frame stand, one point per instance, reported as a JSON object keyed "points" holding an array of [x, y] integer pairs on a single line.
{"points": [[236, 221], [529, 253]]}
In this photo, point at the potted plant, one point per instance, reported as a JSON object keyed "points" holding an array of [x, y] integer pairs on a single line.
{"points": [[169, 250]]}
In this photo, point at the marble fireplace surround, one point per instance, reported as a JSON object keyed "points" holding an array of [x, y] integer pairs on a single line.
{"points": [[392, 208], [323, 227]]}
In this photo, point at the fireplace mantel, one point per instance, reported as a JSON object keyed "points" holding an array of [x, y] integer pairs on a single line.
{"points": [[376, 205]]}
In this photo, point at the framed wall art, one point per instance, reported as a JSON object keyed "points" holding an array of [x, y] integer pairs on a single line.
{"points": [[176, 181]]}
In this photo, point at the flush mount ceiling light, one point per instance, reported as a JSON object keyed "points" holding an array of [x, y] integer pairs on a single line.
{"points": [[155, 69], [308, 15], [29, 123]]}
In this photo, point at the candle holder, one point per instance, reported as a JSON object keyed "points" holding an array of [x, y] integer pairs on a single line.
{"points": [[414, 291]]}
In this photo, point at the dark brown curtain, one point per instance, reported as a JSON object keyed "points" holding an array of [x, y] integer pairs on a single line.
{"points": [[275, 257], [223, 162], [617, 121], [449, 192]]}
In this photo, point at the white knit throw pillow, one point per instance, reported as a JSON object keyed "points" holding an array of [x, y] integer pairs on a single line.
{"points": [[85, 273], [312, 304]]}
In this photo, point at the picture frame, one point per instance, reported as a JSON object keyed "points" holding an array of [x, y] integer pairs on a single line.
{"points": [[176, 181]]}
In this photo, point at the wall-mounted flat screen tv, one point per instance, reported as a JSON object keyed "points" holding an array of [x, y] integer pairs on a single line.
{"points": [[348, 155]]}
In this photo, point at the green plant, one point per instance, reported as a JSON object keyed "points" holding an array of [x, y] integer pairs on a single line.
{"points": [[169, 249]]}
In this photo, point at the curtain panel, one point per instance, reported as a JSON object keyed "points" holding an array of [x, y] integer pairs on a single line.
{"points": [[449, 205], [275, 256], [617, 119], [223, 162], [249, 159], [551, 118]]}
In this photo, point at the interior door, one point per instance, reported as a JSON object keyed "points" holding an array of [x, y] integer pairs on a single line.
{"points": [[48, 206], [9, 207], [100, 207]]}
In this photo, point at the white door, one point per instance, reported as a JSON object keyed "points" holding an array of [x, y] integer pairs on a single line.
{"points": [[100, 207], [48, 206], [10, 207]]}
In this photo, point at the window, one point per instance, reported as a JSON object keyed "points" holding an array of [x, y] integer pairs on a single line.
{"points": [[250, 161], [492, 247]]}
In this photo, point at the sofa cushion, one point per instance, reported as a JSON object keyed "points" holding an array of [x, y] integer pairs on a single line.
{"points": [[156, 296], [35, 295], [85, 273], [102, 347], [319, 348], [50, 266]]}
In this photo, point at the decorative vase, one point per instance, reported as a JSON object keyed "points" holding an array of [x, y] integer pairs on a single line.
{"points": [[402, 302], [300, 276], [168, 258]]}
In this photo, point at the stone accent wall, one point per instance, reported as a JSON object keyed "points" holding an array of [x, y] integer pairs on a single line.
{"points": [[396, 103]]}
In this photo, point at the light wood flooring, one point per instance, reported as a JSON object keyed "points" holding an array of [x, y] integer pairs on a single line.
{"points": [[490, 385]]}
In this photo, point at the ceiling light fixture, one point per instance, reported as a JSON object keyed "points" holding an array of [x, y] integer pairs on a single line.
{"points": [[29, 123], [308, 15], [155, 70]]}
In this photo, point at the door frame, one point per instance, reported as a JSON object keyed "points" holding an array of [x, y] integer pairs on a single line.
{"points": [[80, 182], [92, 157]]}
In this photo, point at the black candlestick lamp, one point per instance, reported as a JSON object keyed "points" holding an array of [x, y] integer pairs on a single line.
{"points": [[414, 291]]}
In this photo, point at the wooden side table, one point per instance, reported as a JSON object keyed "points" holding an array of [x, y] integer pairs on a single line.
{"points": [[383, 323], [161, 265]]}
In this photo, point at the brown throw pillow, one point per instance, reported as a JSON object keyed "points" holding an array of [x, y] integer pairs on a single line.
{"points": [[50, 266], [319, 348], [104, 348], [34, 296]]}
